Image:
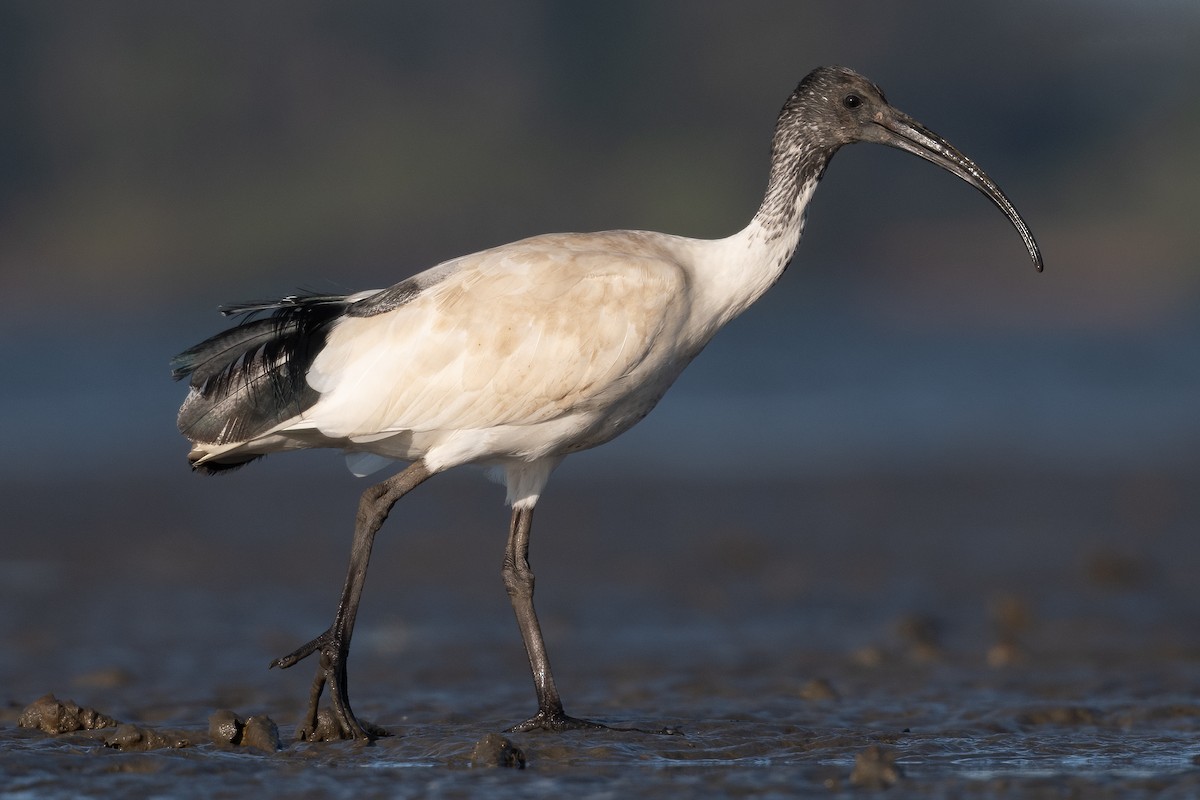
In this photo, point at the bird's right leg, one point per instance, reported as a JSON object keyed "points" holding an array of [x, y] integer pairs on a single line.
{"points": [[334, 644], [519, 581]]}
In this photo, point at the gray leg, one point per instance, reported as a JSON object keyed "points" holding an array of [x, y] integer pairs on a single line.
{"points": [[334, 644], [518, 580]]}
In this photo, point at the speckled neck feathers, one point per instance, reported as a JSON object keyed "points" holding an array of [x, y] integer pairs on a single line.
{"points": [[798, 160], [756, 256]]}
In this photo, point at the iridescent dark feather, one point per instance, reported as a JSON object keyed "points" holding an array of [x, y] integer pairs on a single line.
{"points": [[251, 377]]}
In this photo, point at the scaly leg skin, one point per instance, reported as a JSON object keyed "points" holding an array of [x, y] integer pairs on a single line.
{"points": [[519, 581], [334, 644]]}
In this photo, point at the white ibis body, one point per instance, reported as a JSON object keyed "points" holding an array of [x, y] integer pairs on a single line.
{"points": [[515, 357]]}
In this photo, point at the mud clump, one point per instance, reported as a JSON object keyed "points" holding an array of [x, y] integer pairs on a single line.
{"points": [[1116, 571], [133, 738], [259, 732], [262, 733], [817, 690], [225, 727], [1010, 618], [109, 678], [922, 634], [327, 729], [53, 716], [1065, 716], [494, 750], [875, 768]]}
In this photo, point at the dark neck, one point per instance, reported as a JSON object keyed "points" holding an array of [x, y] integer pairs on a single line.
{"points": [[737, 270], [797, 162], [743, 266]]}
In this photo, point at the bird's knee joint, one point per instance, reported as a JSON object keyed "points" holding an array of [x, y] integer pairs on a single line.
{"points": [[517, 582]]}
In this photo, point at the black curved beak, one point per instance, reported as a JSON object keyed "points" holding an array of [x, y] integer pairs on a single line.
{"points": [[897, 129]]}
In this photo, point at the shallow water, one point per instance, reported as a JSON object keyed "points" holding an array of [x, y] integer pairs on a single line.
{"points": [[995, 634]]}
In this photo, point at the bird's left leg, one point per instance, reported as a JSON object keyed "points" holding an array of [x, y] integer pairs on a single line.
{"points": [[334, 644]]}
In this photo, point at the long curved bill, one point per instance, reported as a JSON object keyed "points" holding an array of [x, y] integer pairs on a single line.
{"points": [[897, 129]]}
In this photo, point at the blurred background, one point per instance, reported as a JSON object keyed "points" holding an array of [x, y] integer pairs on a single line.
{"points": [[160, 159], [910, 376]]}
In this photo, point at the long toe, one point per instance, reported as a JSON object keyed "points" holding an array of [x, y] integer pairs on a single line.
{"points": [[344, 724], [348, 724], [559, 722], [556, 721], [303, 651]]}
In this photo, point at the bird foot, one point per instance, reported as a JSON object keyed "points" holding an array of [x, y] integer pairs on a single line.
{"points": [[338, 722], [557, 721]]}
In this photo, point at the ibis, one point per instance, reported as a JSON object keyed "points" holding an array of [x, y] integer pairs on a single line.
{"points": [[513, 358]]}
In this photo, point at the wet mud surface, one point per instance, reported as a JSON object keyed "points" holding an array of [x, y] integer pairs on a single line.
{"points": [[953, 635]]}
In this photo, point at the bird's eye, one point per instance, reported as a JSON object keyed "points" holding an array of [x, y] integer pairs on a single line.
{"points": [[852, 101]]}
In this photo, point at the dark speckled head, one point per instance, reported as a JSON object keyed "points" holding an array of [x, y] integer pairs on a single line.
{"points": [[835, 106]]}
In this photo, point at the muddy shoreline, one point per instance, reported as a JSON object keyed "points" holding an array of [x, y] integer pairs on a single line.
{"points": [[959, 632]]}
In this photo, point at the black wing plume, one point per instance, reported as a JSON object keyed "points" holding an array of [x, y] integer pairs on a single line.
{"points": [[251, 377]]}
